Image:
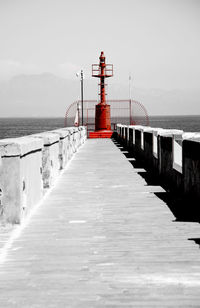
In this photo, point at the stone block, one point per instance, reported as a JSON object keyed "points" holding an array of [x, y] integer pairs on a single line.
{"points": [[20, 177], [191, 164], [63, 146], [50, 157]]}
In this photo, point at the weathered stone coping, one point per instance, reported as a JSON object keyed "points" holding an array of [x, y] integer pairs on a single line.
{"points": [[61, 132], [194, 136], [19, 146], [47, 138]]}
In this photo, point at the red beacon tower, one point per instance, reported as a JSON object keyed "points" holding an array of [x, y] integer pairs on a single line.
{"points": [[102, 113]]}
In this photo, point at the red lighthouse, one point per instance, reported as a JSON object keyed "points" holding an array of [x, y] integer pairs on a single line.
{"points": [[102, 114]]}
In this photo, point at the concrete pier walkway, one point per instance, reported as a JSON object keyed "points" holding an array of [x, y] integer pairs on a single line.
{"points": [[102, 238]]}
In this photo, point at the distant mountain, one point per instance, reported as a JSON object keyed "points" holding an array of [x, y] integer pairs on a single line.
{"points": [[46, 95], [37, 95], [164, 102]]}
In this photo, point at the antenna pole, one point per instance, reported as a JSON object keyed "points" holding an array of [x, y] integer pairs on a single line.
{"points": [[130, 86], [82, 95], [130, 120]]}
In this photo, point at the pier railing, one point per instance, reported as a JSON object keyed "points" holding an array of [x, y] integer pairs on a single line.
{"points": [[171, 154], [30, 165]]}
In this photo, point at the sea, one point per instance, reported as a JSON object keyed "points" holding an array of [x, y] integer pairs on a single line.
{"points": [[17, 127]]}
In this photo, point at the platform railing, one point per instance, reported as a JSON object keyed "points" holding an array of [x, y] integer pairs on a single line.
{"points": [[171, 154], [30, 165]]}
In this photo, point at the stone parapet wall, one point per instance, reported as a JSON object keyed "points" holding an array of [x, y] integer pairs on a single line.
{"points": [[171, 154], [30, 165]]}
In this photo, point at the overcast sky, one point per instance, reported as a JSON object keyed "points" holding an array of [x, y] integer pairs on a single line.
{"points": [[158, 41]]}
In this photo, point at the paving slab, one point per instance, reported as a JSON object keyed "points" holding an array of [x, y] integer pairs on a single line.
{"points": [[102, 238]]}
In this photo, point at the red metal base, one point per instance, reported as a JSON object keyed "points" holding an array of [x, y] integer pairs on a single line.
{"points": [[102, 117], [101, 134]]}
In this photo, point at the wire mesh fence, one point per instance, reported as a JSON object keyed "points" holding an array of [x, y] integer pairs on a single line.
{"points": [[129, 112]]}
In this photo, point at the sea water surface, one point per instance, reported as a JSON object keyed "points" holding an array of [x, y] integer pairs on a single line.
{"points": [[17, 127], [186, 123]]}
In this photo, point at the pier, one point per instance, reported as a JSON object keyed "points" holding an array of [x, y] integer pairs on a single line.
{"points": [[100, 154], [100, 236]]}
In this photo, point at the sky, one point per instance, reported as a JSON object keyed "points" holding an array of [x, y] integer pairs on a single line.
{"points": [[156, 41]]}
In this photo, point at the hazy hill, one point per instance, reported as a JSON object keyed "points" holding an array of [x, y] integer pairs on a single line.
{"points": [[47, 95]]}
